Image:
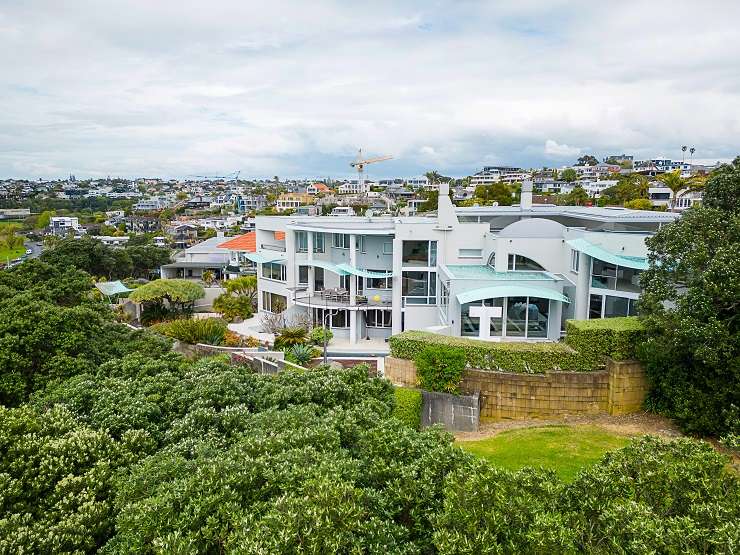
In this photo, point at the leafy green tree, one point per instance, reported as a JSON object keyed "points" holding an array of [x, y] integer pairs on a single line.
{"points": [[639, 204], [146, 258], [568, 175], [91, 256], [56, 477], [587, 160], [440, 368], [690, 307], [44, 219], [179, 294], [243, 286], [577, 197], [722, 190], [495, 192]]}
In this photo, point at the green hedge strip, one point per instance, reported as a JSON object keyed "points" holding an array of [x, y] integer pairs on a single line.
{"points": [[408, 406], [587, 344]]}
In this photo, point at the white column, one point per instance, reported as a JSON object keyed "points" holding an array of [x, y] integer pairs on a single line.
{"points": [[290, 270], [309, 256], [583, 286], [352, 289], [397, 299]]}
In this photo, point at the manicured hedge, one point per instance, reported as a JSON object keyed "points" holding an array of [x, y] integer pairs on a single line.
{"points": [[535, 358], [609, 337], [587, 344], [408, 406]]}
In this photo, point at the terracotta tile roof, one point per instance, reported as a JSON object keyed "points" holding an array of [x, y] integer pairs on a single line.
{"points": [[280, 236], [246, 242]]}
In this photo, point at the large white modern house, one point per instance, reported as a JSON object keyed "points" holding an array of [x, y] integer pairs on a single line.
{"points": [[494, 272]]}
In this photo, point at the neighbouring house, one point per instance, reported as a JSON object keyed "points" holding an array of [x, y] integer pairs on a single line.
{"points": [[317, 188], [239, 247], [291, 201], [193, 261], [183, 235], [61, 226], [493, 272]]}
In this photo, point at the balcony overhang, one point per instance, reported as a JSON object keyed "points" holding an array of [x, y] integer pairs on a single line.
{"points": [[510, 291], [595, 251]]}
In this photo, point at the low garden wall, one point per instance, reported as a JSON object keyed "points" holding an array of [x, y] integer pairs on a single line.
{"points": [[591, 372], [619, 389], [456, 413]]}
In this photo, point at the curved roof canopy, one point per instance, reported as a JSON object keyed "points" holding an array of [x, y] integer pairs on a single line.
{"points": [[325, 265], [110, 288], [363, 273], [635, 262], [510, 291], [265, 257]]}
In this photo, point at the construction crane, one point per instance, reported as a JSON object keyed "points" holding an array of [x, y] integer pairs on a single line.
{"points": [[360, 164], [234, 176]]}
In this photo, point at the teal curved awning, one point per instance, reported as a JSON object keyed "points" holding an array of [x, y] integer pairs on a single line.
{"points": [[363, 273], [265, 257], [510, 291], [325, 265], [595, 251], [110, 288]]}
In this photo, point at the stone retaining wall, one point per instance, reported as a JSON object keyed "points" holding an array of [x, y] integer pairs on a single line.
{"points": [[620, 389]]}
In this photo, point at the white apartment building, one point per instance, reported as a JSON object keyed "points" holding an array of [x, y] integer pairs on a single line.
{"points": [[152, 204], [663, 196], [494, 174], [493, 272], [63, 225]]}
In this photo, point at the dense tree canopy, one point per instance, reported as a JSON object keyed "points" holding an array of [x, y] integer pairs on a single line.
{"points": [[691, 302], [97, 259], [125, 447], [722, 191]]}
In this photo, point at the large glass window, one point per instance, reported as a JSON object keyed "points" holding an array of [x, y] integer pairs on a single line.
{"points": [[619, 278], [420, 253], [301, 241], [470, 326], [378, 283], [419, 287], [318, 242], [537, 314], [318, 279], [334, 318], [344, 282], [518, 263], [303, 275], [272, 302], [516, 317], [610, 306], [378, 318], [273, 270], [341, 241]]}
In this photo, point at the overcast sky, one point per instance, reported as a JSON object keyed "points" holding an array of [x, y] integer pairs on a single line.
{"points": [[165, 88]]}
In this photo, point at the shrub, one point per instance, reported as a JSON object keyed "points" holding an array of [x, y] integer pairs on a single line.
{"points": [[608, 337], [440, 368], [408, 406], [317, 336], [211, 331], [233, 339], [300, 354], [233, 307], [287, 337], [490, 355]]}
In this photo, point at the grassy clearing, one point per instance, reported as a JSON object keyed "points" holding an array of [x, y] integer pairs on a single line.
{"points": [[11, 254], [564, 449]]}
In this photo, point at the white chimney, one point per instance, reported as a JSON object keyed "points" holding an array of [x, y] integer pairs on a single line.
{"points": [[526, 198]]}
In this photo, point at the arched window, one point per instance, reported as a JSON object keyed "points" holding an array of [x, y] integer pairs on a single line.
{"points": [[517, 262]]}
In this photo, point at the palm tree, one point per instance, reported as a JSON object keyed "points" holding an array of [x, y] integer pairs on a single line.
{"points": [[675, 183], [208, 277]]}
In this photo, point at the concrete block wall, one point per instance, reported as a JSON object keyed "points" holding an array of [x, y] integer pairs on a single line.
{"points": [[619, 389], [628, 386]]}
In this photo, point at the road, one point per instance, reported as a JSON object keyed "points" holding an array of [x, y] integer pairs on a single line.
{"points": [[36, 249]]}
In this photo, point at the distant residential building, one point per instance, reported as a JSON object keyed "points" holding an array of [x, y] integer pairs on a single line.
{"points": [[250, 203], [111, 240], [64, 225], [184, 235], [193, 261], [239, 248], [663, 196], [14, 213], [291, 201], [495, 174], [317, 188], [152, 204]]}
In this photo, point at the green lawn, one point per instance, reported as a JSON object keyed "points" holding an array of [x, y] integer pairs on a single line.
{"points": [[564, 449], [10, 253]]}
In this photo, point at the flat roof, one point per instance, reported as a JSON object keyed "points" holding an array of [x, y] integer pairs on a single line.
{"points": [[482, 271], [594, 213]]}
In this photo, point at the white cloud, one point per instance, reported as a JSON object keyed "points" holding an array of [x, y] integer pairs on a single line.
{"points": [[294, 88], [556, 150]]}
